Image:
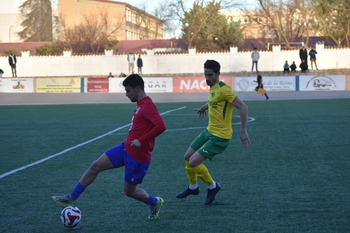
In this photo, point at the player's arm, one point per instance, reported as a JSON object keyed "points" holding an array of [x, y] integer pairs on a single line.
{"points": [[243, 112], [158, 128], [202, 111]]}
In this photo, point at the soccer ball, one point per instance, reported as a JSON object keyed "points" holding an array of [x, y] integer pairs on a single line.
{"points": [[70, 216]]}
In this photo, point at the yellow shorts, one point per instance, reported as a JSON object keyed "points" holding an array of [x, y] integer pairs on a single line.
{"points": [[261, 91]]}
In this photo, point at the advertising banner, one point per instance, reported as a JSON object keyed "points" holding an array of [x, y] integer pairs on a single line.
{"points": [[273, 83], [97, 85], [163, 84], [17, 85], [194, 84], [322, 83], [58, 85], [152, 85], [116, 85]]}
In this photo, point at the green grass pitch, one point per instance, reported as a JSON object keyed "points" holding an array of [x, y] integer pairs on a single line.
{"points": [[295, 177]]}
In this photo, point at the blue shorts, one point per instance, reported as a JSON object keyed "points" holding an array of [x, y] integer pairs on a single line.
{"points": [[135, 171]]}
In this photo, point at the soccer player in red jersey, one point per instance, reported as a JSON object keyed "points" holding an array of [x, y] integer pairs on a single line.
{"points": [[134, 153]]}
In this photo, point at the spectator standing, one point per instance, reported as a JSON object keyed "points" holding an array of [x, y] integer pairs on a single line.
{"points": [[312, 54], [131, 61], [255, 58], [13, 62], [293, 67], [303, 54], [139, 64], [286, 67]]}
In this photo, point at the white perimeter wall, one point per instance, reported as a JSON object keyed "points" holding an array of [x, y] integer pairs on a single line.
{"points": [[191, 62]]}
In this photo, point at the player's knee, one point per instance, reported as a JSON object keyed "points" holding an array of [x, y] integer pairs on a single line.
{"points": [[193, 163], [128, 192], [95, 167]]}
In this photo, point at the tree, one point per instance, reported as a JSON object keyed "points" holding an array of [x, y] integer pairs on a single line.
{"points": [[333, 19], [205, 28], [37, 20], [94, 34], [284, 20], [172, 13], [49, 49], [165, 12]]}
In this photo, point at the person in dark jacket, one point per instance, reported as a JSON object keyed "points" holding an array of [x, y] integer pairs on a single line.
{"points": [[293, 67], [260, 88], [13, 62], [303, 66], [312, 54], [303, 54], [139, 64]]}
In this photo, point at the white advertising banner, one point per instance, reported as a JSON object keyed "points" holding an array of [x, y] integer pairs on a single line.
{"points": [[116, 85], [322, 83], [273, 83], [152, 85], [17, 85]]}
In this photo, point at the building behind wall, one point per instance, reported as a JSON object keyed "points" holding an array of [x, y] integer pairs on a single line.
{"points": [[10, 21], [254, 26], [127, 22]]}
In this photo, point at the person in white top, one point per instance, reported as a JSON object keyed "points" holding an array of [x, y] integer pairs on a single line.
{"points": [[131, 61], [255, 58]]}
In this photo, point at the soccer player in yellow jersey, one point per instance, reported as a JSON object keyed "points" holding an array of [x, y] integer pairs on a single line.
{"points": [[215, 138]]}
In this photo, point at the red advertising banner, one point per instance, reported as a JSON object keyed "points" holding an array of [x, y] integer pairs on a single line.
{"points": [[97, 85], [194, 84]]}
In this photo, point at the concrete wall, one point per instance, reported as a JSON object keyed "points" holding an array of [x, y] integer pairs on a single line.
{"points": [[158, 64]]}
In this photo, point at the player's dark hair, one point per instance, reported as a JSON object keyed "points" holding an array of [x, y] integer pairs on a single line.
{"points": [[212, 64], [133, 81]]}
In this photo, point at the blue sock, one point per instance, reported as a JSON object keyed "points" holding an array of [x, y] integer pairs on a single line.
{"points": [[151, 200], [79, 189]]}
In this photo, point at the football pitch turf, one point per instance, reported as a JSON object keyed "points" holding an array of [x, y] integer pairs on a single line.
{"points": [[295, 177]]}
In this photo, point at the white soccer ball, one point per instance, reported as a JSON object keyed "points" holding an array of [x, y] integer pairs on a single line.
{"points": [[70, 216]]}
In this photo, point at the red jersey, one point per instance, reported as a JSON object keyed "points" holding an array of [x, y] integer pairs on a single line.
{"points": [[146, 124]]}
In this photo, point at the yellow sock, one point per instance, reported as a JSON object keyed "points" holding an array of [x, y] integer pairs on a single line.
{"points": [[203, 173], [191, 174]]}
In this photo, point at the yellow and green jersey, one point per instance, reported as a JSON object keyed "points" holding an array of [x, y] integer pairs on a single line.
{"points": [[220, 110]]}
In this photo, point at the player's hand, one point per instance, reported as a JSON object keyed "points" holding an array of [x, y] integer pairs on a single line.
{"points": [[201, 113], [136, 143], [245, 139]]}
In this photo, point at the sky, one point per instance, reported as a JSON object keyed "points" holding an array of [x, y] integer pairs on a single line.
{"points": [[9, 6], [152, 4]]}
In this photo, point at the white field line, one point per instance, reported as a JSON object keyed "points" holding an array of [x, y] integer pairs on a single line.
{"points": [[250, 119], [76, 146]]}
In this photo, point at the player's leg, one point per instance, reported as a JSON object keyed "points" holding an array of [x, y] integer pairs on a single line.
{"points": [[212, 147], [155, 203], [135, 171], [108, 160], [193, 188], [196, 162], [131, 190], [101, 164]]}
